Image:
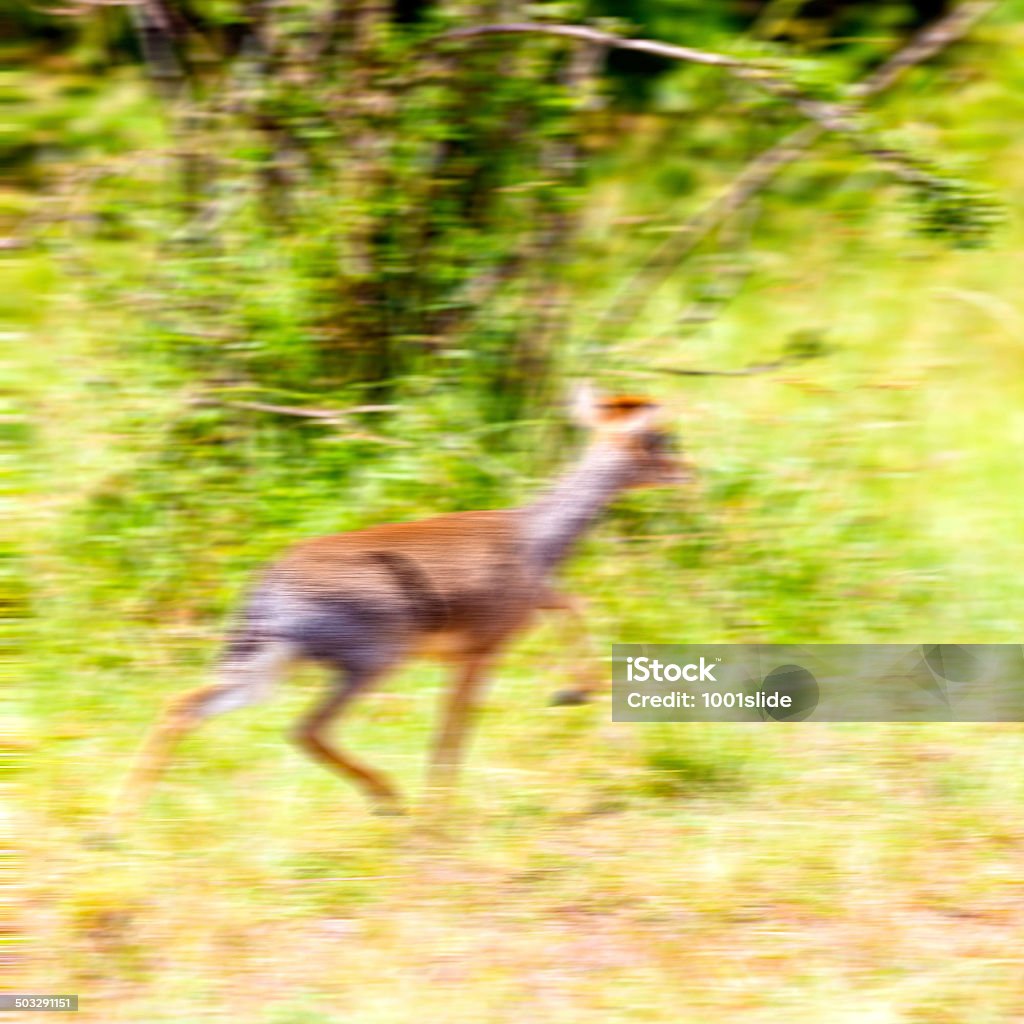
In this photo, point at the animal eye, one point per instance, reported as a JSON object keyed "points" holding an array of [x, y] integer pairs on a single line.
{"points": [[659, 443]]}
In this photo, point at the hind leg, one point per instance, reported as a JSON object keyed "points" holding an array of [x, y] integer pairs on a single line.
{"points": [[309, 735], [241, 681]]}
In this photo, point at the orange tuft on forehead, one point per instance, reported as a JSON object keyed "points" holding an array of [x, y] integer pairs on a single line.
{"points": [[615, 408], [611, 413]]}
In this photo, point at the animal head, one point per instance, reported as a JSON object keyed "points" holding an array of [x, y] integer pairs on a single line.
{"points": [[634, 425]]}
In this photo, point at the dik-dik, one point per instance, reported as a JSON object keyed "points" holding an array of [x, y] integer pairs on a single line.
{"points": [[458, 587]]}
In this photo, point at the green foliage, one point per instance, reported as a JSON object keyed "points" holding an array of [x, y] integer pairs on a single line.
{"points": [[691, 762], [167, 294], [957, 210]]}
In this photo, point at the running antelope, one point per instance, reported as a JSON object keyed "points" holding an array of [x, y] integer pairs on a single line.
{"points": [[459, 587]]}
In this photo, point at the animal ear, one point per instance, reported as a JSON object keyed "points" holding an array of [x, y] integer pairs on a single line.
{"points": [[585, 404]]}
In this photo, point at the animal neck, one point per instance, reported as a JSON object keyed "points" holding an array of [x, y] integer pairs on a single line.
{"points": [[571, 505]]}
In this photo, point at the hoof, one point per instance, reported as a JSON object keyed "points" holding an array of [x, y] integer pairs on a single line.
{"points": [[567, 698], [106, 838], [389, 810]]}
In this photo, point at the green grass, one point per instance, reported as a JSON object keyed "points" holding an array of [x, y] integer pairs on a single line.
{"points": [[593, 871]]}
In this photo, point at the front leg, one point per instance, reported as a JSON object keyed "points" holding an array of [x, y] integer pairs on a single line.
{"points": [[461, 704], [578, 639]]}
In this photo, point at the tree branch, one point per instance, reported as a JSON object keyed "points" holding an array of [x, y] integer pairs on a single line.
{"points": [[929, 42], [300, 411], [326, 417], [585, 34], [791, 358], [832, 117], [764, 168]]}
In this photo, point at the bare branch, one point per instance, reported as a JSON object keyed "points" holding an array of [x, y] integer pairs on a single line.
{"points": [[302, 412], [925, 45], [605, 39], [832, 117], [745, 371], [752, 369], [327, 417]]}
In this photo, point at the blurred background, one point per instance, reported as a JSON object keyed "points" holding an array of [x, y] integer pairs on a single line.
{"points": [[275, 269]]}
